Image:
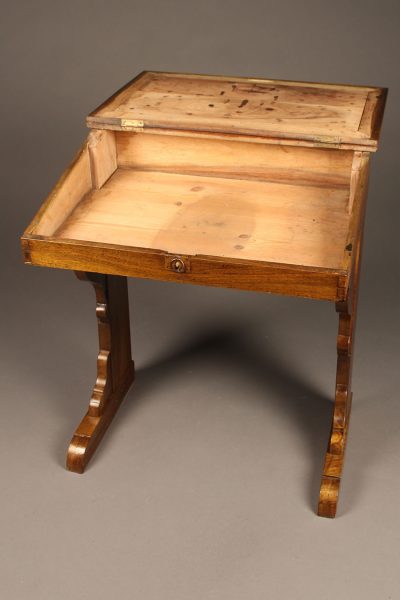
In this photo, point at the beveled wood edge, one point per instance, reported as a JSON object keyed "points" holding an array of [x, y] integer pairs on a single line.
{"points": [[141, 75], [292, 280], [233, 78], [308, 141], [377, 115], [113, 124]]}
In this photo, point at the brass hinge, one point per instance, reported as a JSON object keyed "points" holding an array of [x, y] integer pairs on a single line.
{"points": [[132, 124]]}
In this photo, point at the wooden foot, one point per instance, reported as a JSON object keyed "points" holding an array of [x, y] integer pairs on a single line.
{"points": [[115, 368], [334, 459]]}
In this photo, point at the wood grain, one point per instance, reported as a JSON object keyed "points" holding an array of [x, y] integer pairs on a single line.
{"points": [[234, 159], [103, 156], [292, 280], [289, 110], [73, 185], [186, 214], [115, 368], [347, 310]]}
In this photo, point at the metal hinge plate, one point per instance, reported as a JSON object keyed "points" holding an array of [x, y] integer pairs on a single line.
{"points": [[132, 123]]}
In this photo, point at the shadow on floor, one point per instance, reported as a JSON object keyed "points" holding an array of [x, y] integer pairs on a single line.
{"points": [[296, 398]]}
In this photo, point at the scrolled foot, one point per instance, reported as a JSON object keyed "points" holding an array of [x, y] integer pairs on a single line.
{"points": [[92, 429], [77, 456]]}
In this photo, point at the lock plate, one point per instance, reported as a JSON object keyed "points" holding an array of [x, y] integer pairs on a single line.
{"points": [[177, 263]]}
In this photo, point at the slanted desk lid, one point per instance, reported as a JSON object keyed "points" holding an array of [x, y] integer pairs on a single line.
{"points": [[287, 111]]}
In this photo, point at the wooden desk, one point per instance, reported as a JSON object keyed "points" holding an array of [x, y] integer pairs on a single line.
{"points": [[242, 183]]}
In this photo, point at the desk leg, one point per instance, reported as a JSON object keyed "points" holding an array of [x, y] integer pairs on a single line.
{"points": [[115, 368], [334, 458]]}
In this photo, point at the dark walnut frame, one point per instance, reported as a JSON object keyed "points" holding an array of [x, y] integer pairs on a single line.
{"points": [[106, 265]]}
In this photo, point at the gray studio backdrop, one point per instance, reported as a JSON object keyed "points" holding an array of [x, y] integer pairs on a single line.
{"points": [[206, 484]]}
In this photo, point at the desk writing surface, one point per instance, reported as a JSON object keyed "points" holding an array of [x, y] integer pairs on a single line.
{"points": [[217, 216], [337, 114]]}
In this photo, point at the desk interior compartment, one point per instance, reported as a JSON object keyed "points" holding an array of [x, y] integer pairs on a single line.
{"points": [[191, 195]]}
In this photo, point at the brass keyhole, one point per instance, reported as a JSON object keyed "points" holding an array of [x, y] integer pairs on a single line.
{"points": [[178, 265]]}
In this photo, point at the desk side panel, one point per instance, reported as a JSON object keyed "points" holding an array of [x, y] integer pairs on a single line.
{"points": [[357, 207], [94, 163]]}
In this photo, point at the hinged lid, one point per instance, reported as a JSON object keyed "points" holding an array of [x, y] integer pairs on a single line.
{"points": [[286, 111]]}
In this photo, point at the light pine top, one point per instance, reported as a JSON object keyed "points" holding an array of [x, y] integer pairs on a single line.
{"points": [[287, 112]]}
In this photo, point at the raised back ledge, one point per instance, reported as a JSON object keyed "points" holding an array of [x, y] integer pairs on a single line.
{"points": [[337, 144], [222, 157]]}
